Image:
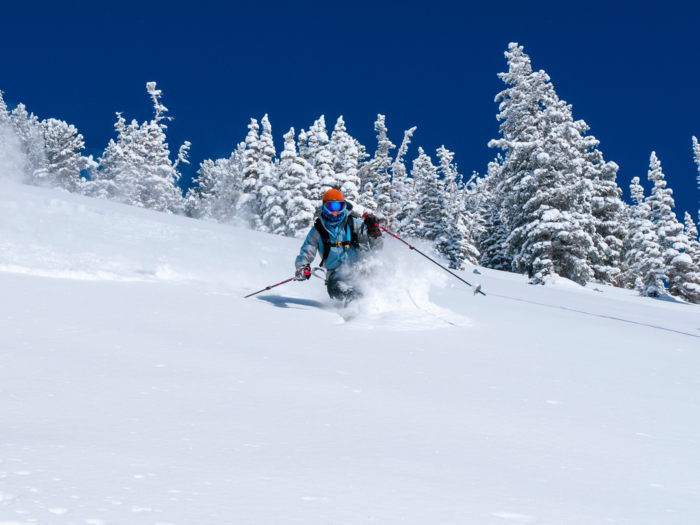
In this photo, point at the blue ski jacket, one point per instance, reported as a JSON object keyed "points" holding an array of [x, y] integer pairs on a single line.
{"points": [[341, 234]]}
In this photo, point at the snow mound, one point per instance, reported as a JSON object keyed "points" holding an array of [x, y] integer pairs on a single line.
{"points": [[562, 282]]}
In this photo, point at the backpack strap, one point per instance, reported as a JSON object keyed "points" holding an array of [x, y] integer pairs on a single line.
{"points": [[353, 234], [325, 239]]}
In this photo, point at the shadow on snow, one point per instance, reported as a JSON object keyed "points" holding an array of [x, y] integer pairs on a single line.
{"points": [[283, 302]]}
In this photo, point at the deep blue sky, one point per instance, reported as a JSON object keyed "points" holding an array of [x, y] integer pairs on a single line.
{"points": [[630, 69]]}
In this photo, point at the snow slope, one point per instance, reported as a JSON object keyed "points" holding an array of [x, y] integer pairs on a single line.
{"points": [[137, 386]]}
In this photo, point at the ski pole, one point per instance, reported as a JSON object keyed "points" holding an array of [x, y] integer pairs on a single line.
{"points": [[478, 288], [268, 288]]}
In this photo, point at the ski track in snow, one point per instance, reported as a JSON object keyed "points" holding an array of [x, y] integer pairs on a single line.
{"points": [[138, 386], [599, 315]]}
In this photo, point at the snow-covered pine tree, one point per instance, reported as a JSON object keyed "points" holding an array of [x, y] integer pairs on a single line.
{"points": [[451, 181], [379, 172], [366, 192], [684, 273], [691, 232], [412, 224], [402, 187], [288, 175], [248, 204], [409, 190], [637, 213], [62, 146], [217, 190], [323, 159], [4, 114], [429, 220], [696, 151], [272, 214], [129, 179], [12, 161], [644, 261], [461, 231], [5, 127], [346, 158], [669, 231], [117, 170], [199, 198], [28, 132], [607, 207], [304, 146], [649, 267], [308, 149], [472, 218], [318, 154], [136, 169], [366, 199], [155, 187], [546, 204], [297, 189], [454, 207], [5, 124], [661, 204], [267, 146], [459, 246], [453, 245], [493, 238]]}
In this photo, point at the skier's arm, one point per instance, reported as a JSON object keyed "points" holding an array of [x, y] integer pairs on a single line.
{"points": [[364, 239], [376, 243], [307, 254]]}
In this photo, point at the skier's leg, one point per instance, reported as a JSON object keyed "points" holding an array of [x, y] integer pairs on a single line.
{"points": [[339, 284], [333, 285]]}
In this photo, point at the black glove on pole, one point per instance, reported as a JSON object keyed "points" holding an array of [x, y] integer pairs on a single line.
{"points": [[373, 228]]}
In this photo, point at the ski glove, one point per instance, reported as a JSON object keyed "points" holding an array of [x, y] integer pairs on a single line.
{"points": [[303, 273], [372, 224]]}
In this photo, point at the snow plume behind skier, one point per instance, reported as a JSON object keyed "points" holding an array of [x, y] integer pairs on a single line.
{"points": [[395, 293]]}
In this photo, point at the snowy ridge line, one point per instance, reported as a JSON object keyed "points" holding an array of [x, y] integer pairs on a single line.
{"points": [[597, 315]]}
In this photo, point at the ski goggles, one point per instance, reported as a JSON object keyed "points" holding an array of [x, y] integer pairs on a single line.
{"points": [[333, 206]]}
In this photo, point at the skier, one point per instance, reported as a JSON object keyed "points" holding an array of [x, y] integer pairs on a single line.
{"points": [[340, 239]]}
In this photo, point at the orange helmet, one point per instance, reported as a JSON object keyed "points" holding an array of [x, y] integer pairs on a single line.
{"points": [[333, 195]]}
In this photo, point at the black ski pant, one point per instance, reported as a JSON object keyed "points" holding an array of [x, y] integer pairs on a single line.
{"points": [[340, 283]]}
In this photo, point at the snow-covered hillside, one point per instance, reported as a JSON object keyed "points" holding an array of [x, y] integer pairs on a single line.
{"points": [[137, 386]]}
